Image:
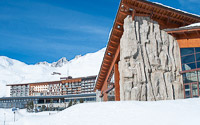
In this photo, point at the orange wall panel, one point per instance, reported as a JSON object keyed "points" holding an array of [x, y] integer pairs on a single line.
{"points": [[186, 43]]}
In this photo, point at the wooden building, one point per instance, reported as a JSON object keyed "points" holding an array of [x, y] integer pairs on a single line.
{"points": [[170, 20]]}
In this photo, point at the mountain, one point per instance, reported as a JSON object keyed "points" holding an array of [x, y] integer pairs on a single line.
{"points": [[13, 71], [59, 63]]}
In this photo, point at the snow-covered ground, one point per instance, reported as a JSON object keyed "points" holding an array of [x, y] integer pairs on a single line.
{"points": [[13, 71], [169, 112], [7, 115]]}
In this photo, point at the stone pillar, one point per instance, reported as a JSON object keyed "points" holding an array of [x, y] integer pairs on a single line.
{"points": [[98, 98], [149, 62]]}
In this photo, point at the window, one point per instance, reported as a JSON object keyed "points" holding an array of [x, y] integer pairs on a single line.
{"points": [[190, 77], [187, 51], [190, 58], [187, 91], [194, 90]]}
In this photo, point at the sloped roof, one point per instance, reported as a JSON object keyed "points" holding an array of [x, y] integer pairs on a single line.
{"points": [[167, 17]]}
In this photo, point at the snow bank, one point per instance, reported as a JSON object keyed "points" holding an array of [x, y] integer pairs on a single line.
{"points": [[179, 112], [14, 72]]}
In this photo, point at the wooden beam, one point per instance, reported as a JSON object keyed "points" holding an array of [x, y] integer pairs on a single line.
{"points": [[184, 30], [156, 13], [119, 23], [117, 87], [114, 42], [116, 36], [133, 14], [105, 84], [118, 30], [112, 47]]}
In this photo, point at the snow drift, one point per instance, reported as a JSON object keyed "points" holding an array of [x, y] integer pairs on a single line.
{"points": [[170, 112]]}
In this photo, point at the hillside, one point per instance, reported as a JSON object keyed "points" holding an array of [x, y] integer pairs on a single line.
{"points": [[13, 71], [168, 112]]}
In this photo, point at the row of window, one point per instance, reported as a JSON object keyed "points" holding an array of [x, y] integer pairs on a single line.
{"points": [[190, 59]]}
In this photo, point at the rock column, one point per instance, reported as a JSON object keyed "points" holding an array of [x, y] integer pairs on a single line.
{"points": [[149, 62]]}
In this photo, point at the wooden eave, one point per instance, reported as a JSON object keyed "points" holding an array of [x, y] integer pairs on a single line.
{"points": [[165, 16], [185, 33]]}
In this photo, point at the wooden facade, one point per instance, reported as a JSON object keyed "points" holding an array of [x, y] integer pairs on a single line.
{"points": [[165, 16]]}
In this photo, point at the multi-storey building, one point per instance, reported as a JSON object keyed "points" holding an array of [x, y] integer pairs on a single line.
{"points": [[54, 93], [19, 90], [81, 85]]}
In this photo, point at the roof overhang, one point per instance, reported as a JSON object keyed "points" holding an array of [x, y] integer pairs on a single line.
{"points": [[184, 32], [166, 17]]}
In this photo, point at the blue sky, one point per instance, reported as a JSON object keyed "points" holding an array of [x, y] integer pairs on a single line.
{"points": [[46, 30]]}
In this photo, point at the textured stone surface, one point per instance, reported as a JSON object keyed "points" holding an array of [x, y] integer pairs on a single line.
{"points": [[149, 62]]}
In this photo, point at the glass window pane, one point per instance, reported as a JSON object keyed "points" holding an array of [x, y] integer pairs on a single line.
{"points": [[198, 64], [199, 87], [197, 49], [191, 74], [199, 75], [186, 51], [187, 59], [198, 57], [194, 90], [188, 66], [187, 91], [189, 79]]}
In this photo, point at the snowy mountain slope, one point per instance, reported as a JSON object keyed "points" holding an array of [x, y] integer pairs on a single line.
{"points": [[13, 71], [168, 112]]}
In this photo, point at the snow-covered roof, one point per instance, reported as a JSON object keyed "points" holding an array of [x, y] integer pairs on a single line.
{"points": [[160, 4], [194, 26]]}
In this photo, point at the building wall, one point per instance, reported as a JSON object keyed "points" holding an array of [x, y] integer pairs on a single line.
{"points": [[19, 91], [149, 63], [63, 87]]}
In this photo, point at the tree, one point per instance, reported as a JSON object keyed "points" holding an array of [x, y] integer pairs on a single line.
{"points": [[51, 101], [69, 104], [81, 101], [43, 107], [75, 102], [30, 106]]}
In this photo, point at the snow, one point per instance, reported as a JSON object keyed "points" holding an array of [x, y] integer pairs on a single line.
{"points": [[193, 25], [176, 9], [168, 112], [14, 72], [7, 115]]}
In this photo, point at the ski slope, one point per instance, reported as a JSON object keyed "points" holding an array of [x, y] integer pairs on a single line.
{"points": [[13, 71]]}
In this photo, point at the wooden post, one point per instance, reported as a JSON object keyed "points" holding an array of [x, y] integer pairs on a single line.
{"points": [[117, 88], [133, 14], [104, 88]]}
